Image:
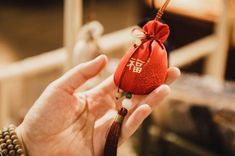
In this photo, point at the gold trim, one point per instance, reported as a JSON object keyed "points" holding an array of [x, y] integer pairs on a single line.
{"points": [[119, 118]]}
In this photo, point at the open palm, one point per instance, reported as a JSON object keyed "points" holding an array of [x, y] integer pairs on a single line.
{"points": [[63, 122]]}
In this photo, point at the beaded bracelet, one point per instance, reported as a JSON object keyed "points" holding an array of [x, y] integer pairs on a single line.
{"points": [[9, 143]]}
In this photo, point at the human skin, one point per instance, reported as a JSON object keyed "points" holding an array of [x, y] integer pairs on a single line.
{"points": [[63, 122]]}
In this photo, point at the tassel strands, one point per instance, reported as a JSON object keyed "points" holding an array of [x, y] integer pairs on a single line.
{"points": [[115, 130], [114, 133]]}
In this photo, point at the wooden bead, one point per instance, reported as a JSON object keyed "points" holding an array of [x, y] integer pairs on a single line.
{"points": [[11, 129], [12, 153], [5, 133], [12, 133], [7, 137], [15, 142], [4, 151], [13, 137], [17, 147], [10, 147], [20, 151], [12, 126], [8, 141], [3, 145], [2, 141], [5, 130]]}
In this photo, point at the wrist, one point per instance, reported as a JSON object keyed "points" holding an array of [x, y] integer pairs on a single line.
{"points": [[18, 131]]}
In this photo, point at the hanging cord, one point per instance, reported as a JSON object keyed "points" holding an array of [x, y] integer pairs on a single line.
{"points": [[114, 133], [161, 10], [159, 16]]}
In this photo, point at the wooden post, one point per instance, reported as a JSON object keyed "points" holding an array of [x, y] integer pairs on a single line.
{"points": [[72, 23], [215, 64]]}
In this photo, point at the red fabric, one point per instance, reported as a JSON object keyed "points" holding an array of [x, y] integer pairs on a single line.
{"points": [[144, 68]]}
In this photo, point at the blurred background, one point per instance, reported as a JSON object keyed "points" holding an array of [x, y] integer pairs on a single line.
{"points": [[40, 40]]}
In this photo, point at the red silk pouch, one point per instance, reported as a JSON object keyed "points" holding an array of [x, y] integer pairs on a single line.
{"points": [[141, 70], [144, 67]]}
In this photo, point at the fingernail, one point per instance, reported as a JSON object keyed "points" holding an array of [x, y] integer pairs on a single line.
{"points": [[101, 58], [178, 73], [146, 105], [165, 89]]}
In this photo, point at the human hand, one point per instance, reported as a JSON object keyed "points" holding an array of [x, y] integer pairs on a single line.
{"points": [[63, 122]]}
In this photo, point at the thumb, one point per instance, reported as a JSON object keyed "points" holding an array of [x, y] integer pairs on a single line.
{"points": [[78, 75]]}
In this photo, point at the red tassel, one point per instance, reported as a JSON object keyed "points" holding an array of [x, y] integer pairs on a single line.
{"points": [[111, 143]]}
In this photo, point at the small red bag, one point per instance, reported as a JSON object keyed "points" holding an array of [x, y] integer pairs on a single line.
{"points": [[144, 67]]}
